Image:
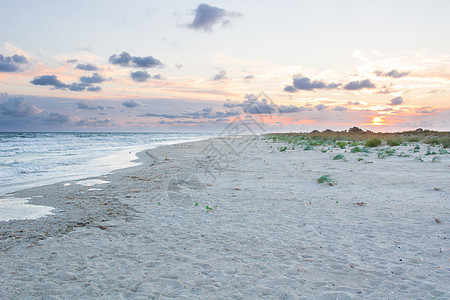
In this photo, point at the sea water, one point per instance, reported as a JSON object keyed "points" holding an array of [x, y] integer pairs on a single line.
{"points": [[36, 159]]}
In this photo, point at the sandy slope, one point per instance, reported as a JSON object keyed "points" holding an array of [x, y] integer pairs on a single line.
{"points": [[272, 230]]}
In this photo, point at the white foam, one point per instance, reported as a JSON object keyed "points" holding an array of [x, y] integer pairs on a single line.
{"points": [[19, 209]]}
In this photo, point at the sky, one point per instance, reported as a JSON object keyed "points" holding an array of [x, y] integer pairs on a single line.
{"points": [[201, 66]]}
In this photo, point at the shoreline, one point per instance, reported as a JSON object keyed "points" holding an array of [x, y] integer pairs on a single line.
{"points": [[262, 227]]}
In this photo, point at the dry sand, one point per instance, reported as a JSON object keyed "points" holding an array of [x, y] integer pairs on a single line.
{"points": [[270, 230]]}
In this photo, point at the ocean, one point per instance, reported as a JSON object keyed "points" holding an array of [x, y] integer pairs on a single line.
{"points": [[36, 159]]}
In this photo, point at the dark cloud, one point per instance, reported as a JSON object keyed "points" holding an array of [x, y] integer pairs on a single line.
{"points": [[94, 89], [178, 66], [86, 81], [94, 122], [340, 108], [321, 107], [16, 107], [254, 105], [82, 105], [126, 60], [396, 101], [292, 109], [9, 64], [56, 118], [130, 103], [358, 85], [207, 16], [123, 59], [306, 84], [95, 78], [86, 67], [290, 89], [146, 62], [72, 61], [393, 74], [140, 76], [51, 80], [249, 77], [205, 113], [221, 76], [76, 87]]}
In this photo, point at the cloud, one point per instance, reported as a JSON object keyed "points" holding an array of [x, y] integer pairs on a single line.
{"points": [[207, 16], [16, 107], [82, 105], [126, 60], [94, 89], [72, 61], [292, 109], [94, 122], [76, 87], [249, 77], [95, 78], [140, 76], [86, 67], [46, 80], [340, 108], [321, 107], [221, 76], [358, 85], [130, 103], [205, 113], [86, 82], [254, 105], [290, 89], [425, 110], [304, 83], [392, 73], [178, 66], [396, 101], [9, 64], [56, 118]]}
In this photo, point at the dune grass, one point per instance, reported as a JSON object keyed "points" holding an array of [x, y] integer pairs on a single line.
{"points": [[327, 179]]}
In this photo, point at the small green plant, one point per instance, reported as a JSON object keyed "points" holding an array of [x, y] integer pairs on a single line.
{"points": [[436, 159], [389, 152], [339, 156], [419, 158], [365, 150], [308, 147], [356, 150], [417, 147], [209, 208], [341, 145], [283, 148], [394, 142], [327, 179], [324, 150], [381, 155], [443, 151], [360, 159], [373, 142]]}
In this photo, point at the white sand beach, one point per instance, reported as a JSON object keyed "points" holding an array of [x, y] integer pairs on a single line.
{"points": [[239, 219]]}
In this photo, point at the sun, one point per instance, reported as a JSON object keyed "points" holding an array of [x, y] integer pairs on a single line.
{"points": [[378, 121]]}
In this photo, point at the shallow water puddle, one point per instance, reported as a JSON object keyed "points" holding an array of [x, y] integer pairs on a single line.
{"points": [[91, 182], [19, 209]]}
